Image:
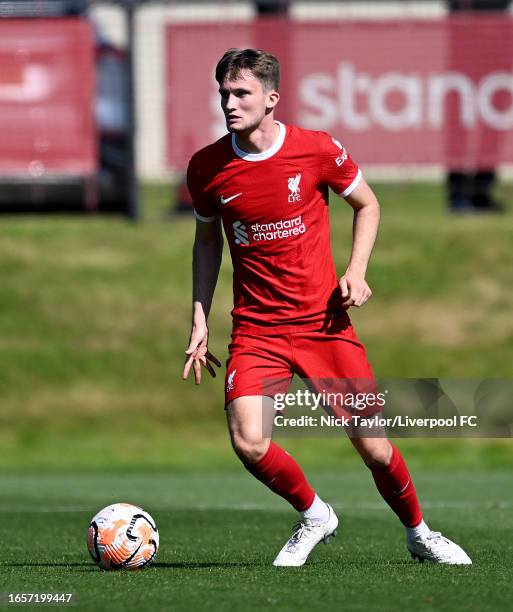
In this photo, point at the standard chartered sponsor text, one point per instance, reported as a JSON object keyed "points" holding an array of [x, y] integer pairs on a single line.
{"points": [[284, 228]]}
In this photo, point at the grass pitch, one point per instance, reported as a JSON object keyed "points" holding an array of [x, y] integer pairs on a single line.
{"points": [[220, 531]]}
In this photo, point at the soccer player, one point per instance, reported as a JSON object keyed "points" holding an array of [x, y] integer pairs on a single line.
{"points": [[267, 184]]}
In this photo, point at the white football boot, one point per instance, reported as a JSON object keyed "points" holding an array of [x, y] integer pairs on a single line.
{"points": [[306, 535], [436, 548]]}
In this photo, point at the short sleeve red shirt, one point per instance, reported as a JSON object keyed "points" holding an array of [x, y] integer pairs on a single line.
{"points": [[274, 209]]}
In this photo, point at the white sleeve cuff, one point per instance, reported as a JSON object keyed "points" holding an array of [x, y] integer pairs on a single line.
{"points": [[204, 219], [353, 185]]}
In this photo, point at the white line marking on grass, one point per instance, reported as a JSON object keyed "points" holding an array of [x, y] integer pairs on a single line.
{"points": [[347, 506], [45, 509], [372, 506]]}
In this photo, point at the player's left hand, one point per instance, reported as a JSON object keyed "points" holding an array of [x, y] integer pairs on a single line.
{"points": [[354, 289]]}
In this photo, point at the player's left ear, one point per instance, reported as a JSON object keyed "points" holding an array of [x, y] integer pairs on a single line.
{"points": [[272, 99]]}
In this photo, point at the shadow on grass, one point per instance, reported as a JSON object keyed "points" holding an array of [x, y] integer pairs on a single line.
{"points": [[159, 565], [258, 564], [206, 565], [29, 564], [199, 565]]}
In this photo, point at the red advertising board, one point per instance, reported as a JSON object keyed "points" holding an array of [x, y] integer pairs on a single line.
{"points": [[394, 92], [46, 97]]}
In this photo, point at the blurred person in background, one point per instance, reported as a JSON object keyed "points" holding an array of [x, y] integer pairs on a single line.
{"points": [[272, 7], [469, 191]]}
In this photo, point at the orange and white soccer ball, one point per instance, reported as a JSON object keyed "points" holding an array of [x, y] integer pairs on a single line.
{"points": [[122, 536]]}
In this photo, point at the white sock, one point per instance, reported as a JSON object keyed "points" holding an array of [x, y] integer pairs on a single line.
{"points": [[420, 531], [318, 511]]}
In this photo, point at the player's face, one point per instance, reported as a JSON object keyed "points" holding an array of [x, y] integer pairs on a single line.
{"points": [[245, 102]]}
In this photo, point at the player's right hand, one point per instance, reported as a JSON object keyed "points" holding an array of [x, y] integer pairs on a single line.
{"points": [[197, 354]]}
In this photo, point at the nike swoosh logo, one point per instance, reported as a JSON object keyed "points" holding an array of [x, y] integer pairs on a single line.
{"points": [[226, 200]]}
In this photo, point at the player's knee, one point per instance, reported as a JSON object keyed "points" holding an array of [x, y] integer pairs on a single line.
{"points": [[377, 461], [249, 450], [376, 455]]}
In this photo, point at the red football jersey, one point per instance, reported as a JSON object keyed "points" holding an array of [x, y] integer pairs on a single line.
{"points": [[274, 208]]}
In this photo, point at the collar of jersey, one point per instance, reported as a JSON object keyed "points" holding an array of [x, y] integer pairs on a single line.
{"points": [[272, 150]]}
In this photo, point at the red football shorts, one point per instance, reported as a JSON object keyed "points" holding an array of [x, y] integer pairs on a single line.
{"points": [[332, 361]]}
